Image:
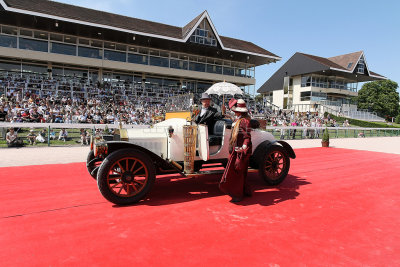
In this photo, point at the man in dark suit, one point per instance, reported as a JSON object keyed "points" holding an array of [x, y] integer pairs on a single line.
{"points": [[207, 115]]}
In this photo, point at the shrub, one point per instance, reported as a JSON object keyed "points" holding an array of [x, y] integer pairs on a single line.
{"points": [[366, 124], [397, 120], [325, 136]]}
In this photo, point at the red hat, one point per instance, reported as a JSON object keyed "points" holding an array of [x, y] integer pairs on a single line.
{"points": [[232, 103], [241, 106]]}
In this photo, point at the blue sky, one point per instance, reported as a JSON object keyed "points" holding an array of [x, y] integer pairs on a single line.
{"points": [[322, 28]]}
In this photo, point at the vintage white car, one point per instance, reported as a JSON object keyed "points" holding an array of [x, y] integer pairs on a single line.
{"points": [[126, 167]]}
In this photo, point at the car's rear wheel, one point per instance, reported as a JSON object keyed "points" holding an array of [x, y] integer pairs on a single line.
{"points": [[274, 165], [126, 176], [93, 164]]}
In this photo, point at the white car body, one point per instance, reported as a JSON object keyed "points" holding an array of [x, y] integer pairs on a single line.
{"points": [[158, 140]]}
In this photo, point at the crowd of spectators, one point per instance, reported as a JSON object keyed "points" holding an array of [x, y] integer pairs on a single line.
{"points": [[312, 123], [99, 105]]}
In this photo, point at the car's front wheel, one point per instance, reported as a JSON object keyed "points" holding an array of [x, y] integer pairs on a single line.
{"points": [[126, 176], [274, 165]]}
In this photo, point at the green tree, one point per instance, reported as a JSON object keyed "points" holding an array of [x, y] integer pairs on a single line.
{"points": [[259, 98], [381, 97]]}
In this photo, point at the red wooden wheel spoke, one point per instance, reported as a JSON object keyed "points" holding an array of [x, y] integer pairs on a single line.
{"points": [[122, 169], [137, 170], [114, 177], [133, 165], [116, 184], [134, 187], [139, 182], [119, 184], [119, 192]]}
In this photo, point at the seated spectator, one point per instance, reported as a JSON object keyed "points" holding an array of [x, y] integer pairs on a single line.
{"points": [[13, 140], [63, 135], [41, 136], [31, 137], [52, 135]]}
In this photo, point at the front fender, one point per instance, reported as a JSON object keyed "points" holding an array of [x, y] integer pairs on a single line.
{"points": [[288, 148]]}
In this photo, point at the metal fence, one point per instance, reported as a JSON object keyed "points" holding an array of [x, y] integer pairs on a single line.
{"points": [[292, 132], [50, 132]]}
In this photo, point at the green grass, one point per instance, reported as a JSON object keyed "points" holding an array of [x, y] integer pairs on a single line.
{"points": [[338, 133], [74, 138]]}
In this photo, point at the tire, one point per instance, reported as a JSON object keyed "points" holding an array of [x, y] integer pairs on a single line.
{"points": [[93, 165], [274, 165], [126, 176]]}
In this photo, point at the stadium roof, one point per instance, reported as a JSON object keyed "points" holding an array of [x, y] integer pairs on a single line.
{"points": [[100, 19], [300, 63]]}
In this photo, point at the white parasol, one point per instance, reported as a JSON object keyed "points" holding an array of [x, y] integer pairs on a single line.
{"points": [[224, 88]]}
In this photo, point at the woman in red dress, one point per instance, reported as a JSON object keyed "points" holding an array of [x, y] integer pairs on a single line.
{"points": [[233, 181]]}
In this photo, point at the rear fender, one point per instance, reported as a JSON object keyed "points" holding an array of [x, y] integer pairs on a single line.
{"points": [[259, 151]]}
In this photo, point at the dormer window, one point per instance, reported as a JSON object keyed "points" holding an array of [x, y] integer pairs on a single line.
{"points": [[204, 35], [361, 66]]}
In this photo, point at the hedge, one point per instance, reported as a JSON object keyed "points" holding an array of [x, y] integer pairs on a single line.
{"points": [[366, 124]]}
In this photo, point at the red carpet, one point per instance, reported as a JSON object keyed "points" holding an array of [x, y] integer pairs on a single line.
{"points": [[337, 207]]}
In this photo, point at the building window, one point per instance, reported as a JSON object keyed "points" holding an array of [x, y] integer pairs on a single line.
{"points": [[214, 69], [228, 71], [8, 41], [361, 66], [312, 96], [203, 35], [114, 55], [350, 64], [137, 59], [35, 45], [305, 81], [159, 61], [63, 49], [179, 64], [197, 66], [89, 52]]}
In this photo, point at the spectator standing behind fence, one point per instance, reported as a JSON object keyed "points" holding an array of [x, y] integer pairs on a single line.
{"points": [[84, 137], [283, 131]]}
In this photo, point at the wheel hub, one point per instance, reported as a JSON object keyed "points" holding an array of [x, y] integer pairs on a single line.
{"points": [[128, 177]]}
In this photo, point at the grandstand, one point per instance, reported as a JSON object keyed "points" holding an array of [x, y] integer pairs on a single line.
{"points": [[312, 83], [51, 50]]}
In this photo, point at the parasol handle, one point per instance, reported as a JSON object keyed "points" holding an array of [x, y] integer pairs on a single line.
{"points": [[223, 104]]}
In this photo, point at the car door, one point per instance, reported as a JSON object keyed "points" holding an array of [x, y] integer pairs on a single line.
{"points": [[202, 140]]}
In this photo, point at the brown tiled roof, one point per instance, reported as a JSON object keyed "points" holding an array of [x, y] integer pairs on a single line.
{"points": [[188, 27], [244, 45], [324, 61], [376, 74], [345, 60], [95, 16], [123, 22]]}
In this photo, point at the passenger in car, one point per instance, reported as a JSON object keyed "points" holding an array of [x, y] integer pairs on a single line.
{"points": [[234, 182], [207, 115]]}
